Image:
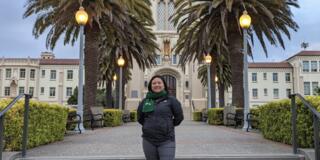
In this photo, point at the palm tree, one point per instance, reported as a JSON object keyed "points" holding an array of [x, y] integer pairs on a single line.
{"points": [[223, 69], [206, 23], [105, 16]]}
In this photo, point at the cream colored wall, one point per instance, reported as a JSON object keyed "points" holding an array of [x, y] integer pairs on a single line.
{"points": [[300, 76], [60, 83], [282, 85]]}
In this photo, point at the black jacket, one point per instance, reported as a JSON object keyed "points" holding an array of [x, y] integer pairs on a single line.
{"points": [[158, 126]]}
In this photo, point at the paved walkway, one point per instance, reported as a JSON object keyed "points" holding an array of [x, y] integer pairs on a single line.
{"points": [[193, 138]]}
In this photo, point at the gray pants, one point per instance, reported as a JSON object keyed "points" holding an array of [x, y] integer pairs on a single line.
{"points": [[163, 151]]}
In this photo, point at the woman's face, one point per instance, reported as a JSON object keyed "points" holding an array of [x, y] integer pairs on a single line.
{"points": [[157, 85]]}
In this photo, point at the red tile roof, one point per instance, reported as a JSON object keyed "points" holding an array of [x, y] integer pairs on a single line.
{"points": [[59, 61], [306, 53], [270, 65]]}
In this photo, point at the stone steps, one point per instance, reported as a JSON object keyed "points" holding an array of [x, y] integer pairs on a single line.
{"points": [[190, 157]]}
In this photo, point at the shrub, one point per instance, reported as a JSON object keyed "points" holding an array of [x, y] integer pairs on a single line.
{"points": [[275, 121], [215, 116], [133, 116], [112, 117], [46, 124], [197, 116]]}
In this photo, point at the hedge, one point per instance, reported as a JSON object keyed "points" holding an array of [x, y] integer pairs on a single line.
{"points": [[197, 116], [215, 116], [46, 124], [133, 116], [112, 117], [275, 121]]}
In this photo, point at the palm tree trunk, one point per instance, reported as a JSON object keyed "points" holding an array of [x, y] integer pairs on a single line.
{"points": [[109, 95], [91, 65], [221, 95], [236, 58], [213, 72]]}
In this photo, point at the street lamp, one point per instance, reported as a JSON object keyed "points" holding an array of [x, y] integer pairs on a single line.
{"points": [[207, 60], [81, 18], [245, 21], [121, 63]]}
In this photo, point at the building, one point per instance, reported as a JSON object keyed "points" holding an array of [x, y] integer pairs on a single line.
{"points": [[46, 78], [53, 80]]}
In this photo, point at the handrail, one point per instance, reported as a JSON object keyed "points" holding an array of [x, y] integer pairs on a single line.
{"points": [[25, 122], [316, 118]]}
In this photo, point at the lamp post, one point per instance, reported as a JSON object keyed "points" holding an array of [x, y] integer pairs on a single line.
{"points": [[81, 18], [121, 63], [245, 21], [207, 60]]}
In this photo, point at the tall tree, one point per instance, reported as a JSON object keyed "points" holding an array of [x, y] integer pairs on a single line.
{"points": [[205, 23], [103, 16]]}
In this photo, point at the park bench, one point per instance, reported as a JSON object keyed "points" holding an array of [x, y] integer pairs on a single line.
{"points": [[95, 116], [234, 119], [251, 118], [126, 116]]}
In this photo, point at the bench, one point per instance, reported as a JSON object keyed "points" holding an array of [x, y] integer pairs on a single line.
{"points": [[92, 118], [126, 116], [251, 118], [235, 118]]}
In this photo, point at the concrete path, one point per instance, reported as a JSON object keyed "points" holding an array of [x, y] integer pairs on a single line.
{"points": [[193, 138]]}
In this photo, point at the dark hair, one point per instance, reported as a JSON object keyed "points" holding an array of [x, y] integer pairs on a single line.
{"points": [[157, 76]]}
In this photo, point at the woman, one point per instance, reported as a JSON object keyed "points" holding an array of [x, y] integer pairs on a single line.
{"points": [[158, 114]]}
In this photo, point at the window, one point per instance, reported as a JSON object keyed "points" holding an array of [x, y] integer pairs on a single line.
{"points": [[31, 90], [314, 66], [69, 91], [53, 74], [288, 79], [174, 59], [22, 73], [134, 94], [43, 73], [306, 86], [305, 65], [186, 96], [314, 87], [158, 59], [165, 9], [264, 76], [70, 74], [265, 91], [52, 91], [32, 73], [187, 84], [6, 91], [255, 93], [254, 77], [288, 91], [275, 77], [275, 93], [8, 73], [145, 83], [21, 90], [42, 90]]}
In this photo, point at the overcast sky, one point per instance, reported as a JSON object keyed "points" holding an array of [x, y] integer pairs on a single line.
{"points": [[16, 40]]}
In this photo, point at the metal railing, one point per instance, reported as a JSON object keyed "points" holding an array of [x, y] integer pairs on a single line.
{"points": [[316, 118], [25, 122]]}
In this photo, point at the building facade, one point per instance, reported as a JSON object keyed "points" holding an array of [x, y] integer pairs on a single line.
{"points": [[53, 80], [46, 78]]}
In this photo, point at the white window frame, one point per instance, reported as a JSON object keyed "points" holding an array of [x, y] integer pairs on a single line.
{"points": [[275, 77], [254, 77], [69, 74], [8, 72], [275, 93], [7, 91], [22, 73], [53, 74], [52, 91], [32, 73], [69, 91]]}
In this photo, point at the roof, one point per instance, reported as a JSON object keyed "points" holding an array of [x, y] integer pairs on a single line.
{"points": [[59, 61], [306, 53], [270, 65]]}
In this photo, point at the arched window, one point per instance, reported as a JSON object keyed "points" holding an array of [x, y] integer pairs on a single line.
{"points": [[161, 14], [165, 9], [170, 13]]}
